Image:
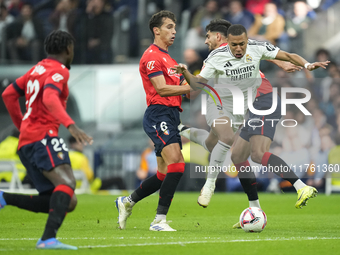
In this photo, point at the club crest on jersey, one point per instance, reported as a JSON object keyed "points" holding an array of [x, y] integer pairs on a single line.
{"points": [[249, 58], [57, 77], [166, 132], [61, 155], [150, 64]]}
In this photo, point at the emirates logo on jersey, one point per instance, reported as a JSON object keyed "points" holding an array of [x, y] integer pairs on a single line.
{"points": [[150, 65], [39, 70]]}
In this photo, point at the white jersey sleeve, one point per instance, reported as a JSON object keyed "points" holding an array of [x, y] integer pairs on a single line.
{"points": [[267, 50], [208, 71]]}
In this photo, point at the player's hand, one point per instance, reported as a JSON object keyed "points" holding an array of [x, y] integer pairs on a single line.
{"points": [[79, 135], [316, 65], [180, 68], [290, 67]]}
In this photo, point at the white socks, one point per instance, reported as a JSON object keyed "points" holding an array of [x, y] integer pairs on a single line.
{"points": [[299, 185], [254, 203], [217, 158], [160, 217], [196, 135]]}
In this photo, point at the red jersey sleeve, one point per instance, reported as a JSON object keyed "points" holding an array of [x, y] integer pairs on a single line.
{"points": [[153, 66], [57, 80], [53, 87], [52, 102], [19, 84], [11, 100]]}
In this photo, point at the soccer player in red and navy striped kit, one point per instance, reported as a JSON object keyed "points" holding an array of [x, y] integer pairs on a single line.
{"points": [[42, 152], [163, 95]]}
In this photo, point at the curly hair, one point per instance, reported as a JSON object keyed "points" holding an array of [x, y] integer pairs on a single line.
{"points": [[57, 41]]}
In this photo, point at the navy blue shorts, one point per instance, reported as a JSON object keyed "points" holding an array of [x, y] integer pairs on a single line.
{"points": [[267, 126], [160, 123], [43, 155]]}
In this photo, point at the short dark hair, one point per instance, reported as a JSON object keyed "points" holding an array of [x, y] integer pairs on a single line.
{"points": [[236, 30], [218, 25], [157, 19], [57, 41]]}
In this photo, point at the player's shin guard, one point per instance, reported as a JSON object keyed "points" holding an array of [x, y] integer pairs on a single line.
{"points": [[169, 185], [30, 203], [59, 203], [247, 179], [148, 187], [279, 167]]}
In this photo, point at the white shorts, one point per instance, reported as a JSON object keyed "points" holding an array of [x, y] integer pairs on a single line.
{"points": [[215, 112]]}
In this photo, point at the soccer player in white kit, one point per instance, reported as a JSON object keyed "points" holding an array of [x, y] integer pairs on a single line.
{"points": [[238, 63]]}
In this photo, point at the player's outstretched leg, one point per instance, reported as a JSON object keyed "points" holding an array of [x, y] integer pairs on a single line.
{"points": [[217, 158], [124, 204], [195, 135], [304, 192], [2, 200], [53, 244]]}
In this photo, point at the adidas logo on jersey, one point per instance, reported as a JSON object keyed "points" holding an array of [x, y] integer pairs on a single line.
{"points": [[228, 64]]}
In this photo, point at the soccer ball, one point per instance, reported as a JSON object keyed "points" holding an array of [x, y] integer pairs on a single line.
{"points": [[253, 219]]}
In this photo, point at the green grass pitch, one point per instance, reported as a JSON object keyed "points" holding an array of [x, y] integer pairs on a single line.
{"points": [[92, 227]]}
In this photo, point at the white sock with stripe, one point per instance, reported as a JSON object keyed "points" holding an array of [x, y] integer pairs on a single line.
{"points": [[217, 158]]}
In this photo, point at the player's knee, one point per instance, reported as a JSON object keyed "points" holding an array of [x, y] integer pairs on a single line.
{"points": [[256, 156], [237, 158], [73, 203], [227, 139], [210, 144], [71, 182]]}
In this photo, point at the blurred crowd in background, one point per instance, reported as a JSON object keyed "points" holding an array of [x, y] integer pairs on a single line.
{"points": [[25, 23], [93, 23]]}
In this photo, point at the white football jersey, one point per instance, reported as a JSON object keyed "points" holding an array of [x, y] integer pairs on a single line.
{"points": [[221, 67]]}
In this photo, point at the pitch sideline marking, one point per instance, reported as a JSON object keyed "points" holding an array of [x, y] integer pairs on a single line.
{"points": [[173, 243]]}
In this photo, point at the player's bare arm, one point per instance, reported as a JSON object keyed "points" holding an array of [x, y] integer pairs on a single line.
{"points": [[165, 90], [300, 61], [286, 66]]}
